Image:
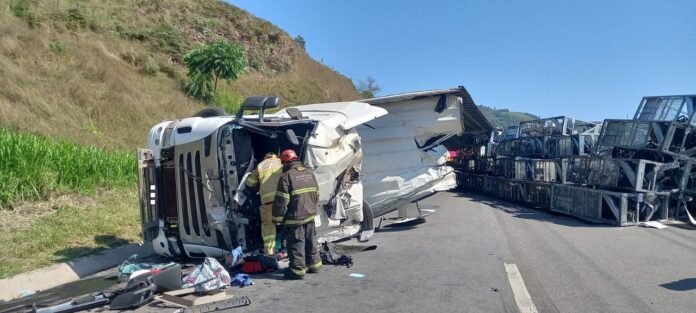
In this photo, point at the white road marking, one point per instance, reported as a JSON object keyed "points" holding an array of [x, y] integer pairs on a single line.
{"points": [[519, 290]]}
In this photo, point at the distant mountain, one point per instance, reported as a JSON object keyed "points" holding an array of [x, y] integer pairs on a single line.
{"points": [[505, 118]]}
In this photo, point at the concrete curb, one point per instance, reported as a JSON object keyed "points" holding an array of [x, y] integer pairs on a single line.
{"points": [[63, 273]]}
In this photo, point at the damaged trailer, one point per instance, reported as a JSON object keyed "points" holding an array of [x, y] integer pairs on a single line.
{"points": [[193, 194]]}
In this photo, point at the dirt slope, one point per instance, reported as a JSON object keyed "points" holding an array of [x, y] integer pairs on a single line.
{"points": [[101, 72]]}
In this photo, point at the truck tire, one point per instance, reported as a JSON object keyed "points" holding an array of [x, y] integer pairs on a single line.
{"points": [[210, 112]]}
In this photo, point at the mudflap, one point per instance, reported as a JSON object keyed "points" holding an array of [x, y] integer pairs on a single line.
{"points": [[367, 226]]}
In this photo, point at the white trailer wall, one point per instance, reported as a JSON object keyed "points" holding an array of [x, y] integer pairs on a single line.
{"points": [[395, 170]]}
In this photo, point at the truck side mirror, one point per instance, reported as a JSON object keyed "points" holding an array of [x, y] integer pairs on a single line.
{"points": [[290, 134]]}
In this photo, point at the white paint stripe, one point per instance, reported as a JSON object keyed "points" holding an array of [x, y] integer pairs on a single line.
{"points": [[519, 290]]}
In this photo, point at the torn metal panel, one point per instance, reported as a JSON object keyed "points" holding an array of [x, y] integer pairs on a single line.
{"points": [[405, 156]]}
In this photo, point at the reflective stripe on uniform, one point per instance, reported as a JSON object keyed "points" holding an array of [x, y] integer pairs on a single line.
{"points": [[251, 182], [315, 265], [277, 219], [271, 170], [299, 222], [282, 194], [300, 272], [304, 190], [268, 195]]}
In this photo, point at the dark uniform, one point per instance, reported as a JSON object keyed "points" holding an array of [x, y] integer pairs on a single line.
{"points": [[294, 208]]}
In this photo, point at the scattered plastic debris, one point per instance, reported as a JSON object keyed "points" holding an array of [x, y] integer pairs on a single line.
{"points": [[208, 276], [242, 280], [235, 257], [356, 275], [130, 268]]}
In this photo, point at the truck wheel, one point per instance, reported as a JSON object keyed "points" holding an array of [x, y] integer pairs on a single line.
{"points": [[367, 226], [210, 112]]}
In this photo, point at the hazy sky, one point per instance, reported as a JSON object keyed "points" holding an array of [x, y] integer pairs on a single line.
{"points": [[586, 59]]}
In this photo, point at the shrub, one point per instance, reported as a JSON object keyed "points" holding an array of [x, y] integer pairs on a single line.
{"points": [[300, 41], [209, 23], [129, 56], [147, 65], [171, 71], [76, 18], [130, 34], [167, 38], [20, 8], [256, 63], [57, 47]]}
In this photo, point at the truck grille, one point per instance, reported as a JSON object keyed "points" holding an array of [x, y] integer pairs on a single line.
{"points": [[193, 205]]}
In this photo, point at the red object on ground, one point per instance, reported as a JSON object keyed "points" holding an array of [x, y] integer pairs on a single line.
{"points": [[253, 267]]}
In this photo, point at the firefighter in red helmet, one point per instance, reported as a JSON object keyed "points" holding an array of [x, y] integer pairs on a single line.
{"points": [[294, 208]]}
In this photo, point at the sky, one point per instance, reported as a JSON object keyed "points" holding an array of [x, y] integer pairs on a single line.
{"points": [[586, 59]]}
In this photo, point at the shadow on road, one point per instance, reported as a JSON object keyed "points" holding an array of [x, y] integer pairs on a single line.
{"points": [[395, 227], [685, 284], [523, 212]]}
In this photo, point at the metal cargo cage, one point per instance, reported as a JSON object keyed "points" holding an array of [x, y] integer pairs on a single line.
{"points": [[602, 206]]}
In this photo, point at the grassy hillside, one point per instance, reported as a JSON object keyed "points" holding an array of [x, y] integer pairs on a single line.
{"points": [[101, 72], [505, 118]]}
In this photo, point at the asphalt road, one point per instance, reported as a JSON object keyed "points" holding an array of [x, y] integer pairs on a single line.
{"points": [[455, 262]]}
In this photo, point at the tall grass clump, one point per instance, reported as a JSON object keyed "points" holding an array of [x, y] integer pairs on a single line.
{"points": [[33, 167]]}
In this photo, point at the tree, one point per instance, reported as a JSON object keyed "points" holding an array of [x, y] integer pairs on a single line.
{"points": [[210, 63], [300, 41], [368, 88]]}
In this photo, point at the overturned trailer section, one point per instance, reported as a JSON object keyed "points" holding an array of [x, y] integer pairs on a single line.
{"points": [[621, 172]]}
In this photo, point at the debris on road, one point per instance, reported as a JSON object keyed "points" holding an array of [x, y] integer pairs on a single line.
{"points": [[242, 280], [255, 263], [356, 275], [208, 276], [219, 305], [131, 268]]}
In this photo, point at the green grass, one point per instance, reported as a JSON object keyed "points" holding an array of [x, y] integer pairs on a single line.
{"points": [[33, 168], [32, 238]]}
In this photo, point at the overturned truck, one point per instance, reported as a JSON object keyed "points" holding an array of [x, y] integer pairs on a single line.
{"points": [[370, 158]]}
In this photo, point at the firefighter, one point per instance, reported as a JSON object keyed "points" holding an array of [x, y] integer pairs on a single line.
{"points": [[265, 178], [294, 209]]}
